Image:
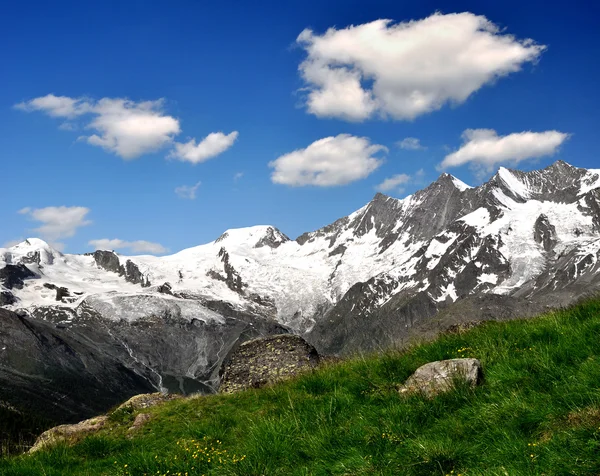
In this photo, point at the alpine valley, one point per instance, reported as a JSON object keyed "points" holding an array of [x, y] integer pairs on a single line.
{"points": [[80, 333]]}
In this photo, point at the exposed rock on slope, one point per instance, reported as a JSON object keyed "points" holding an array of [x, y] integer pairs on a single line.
{"points": [[58, 375], [434, 378], [266, 360]]}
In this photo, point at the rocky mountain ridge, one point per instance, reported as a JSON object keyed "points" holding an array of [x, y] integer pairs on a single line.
{"points": [[390, 271]]}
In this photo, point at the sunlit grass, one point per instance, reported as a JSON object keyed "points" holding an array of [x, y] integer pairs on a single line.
{"points": [[537, 412]]}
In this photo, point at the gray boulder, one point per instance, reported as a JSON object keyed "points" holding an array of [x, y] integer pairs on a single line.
{"points": [[266, 360], [437, 377]]}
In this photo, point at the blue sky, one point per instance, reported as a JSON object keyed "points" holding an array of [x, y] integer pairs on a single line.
{"points": [[252, 124]]}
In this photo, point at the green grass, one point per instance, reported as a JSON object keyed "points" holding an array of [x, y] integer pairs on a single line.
{"points": [[536, 413]]}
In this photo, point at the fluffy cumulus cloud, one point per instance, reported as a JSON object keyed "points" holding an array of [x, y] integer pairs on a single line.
{"points": [[328, 162], [484, 148], [131, 129], [127, 128], [187, 191], [58, 222], [410, 143], [209, 147], [139, 246], [406, 69], [394, 183]]}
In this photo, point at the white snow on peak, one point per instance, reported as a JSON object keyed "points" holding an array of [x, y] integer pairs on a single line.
{"points": [[478, 218], [247, 236], [301, 279], [27, 250], [513, 183], [590, 181], [459, 184]]}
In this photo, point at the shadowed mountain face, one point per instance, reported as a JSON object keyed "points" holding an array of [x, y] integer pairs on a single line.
{"points": [[392, 271]]}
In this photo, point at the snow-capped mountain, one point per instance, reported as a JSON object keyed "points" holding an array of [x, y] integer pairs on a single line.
{"points": [[517, 243]]}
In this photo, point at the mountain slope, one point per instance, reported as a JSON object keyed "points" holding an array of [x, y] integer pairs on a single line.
{"points": [[535, 413], [391, 271]]}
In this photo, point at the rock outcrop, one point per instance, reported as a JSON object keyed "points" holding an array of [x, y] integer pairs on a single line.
{"points": [[147, 400], [12, 276], [70, 433], [266, 360], [126, 411]]}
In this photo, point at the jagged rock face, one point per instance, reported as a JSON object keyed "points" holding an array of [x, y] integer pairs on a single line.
{"points": [[109, 261], [13, 276], [544, 232], [272, 238], [390, 272], [7, 298]]}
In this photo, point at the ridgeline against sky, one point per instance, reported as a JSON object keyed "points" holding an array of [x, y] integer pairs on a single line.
{"points": [[151, 127]]}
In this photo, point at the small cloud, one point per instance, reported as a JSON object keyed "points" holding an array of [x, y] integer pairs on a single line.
{"points": [[238, 176], [67, 126], [58, 222], [394, 182], [328, 162], [121, 126], [57, 106], [57, 245], [139, 246], [209, 147], [485, 149], [187, 191], [410, 143], [11, 243]]}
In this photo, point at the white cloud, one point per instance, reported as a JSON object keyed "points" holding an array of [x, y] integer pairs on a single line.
{"points": [[327, 162], [58, 222], [394, 182], [484, 148], [406, 69], [212, 145], [128, 128], [68, 126], [139, 246], [238, 176], [187, 191], [11, 243], [410, 143], [57, 106]]}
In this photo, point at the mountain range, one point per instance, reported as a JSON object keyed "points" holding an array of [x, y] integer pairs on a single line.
{"points": [[79, 333]]}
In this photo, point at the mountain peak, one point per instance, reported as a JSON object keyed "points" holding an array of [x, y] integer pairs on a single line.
{"points": [[561, 165], [32, 243], [258, 236], [448, 182], [31, 250]]}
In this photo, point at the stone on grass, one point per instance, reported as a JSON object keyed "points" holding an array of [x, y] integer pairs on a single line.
{"points": [[266, 360], [140, 420], [146, 400], [68, 433], [437, 377]]}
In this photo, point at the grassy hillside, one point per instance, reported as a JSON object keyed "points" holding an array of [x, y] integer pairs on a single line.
{"points": [[537, 413]]}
